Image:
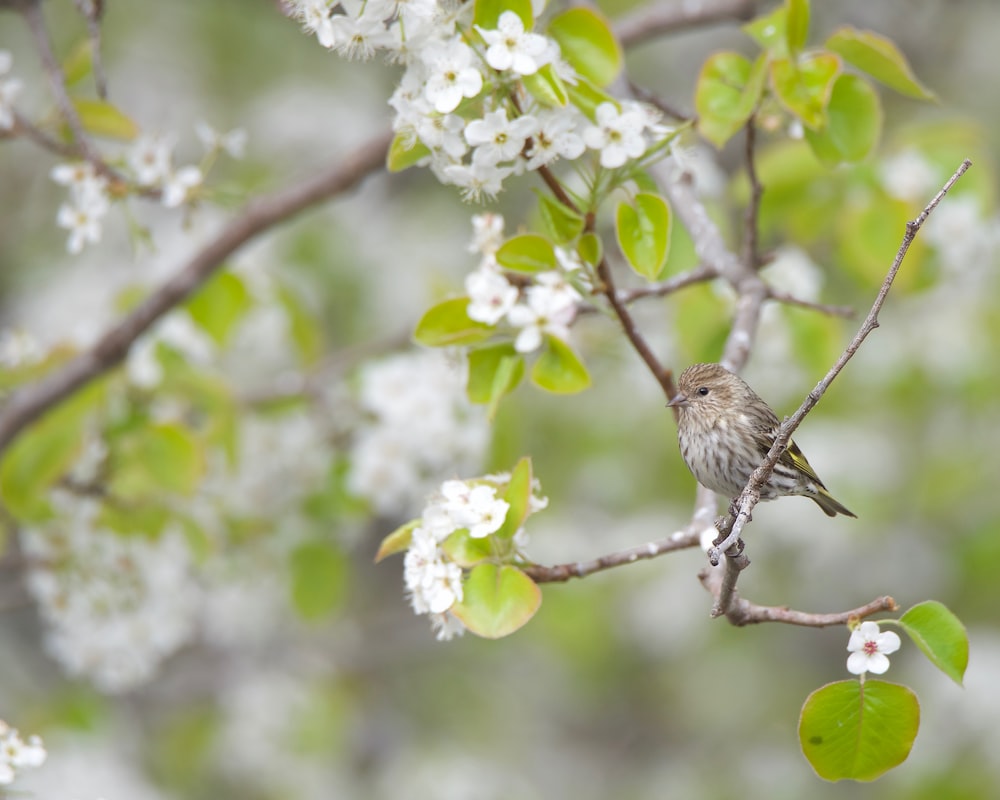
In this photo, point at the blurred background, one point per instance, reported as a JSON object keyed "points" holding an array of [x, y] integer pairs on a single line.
{"points": [[218, 670]]}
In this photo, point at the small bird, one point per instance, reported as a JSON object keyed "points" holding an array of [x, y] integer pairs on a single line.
{"points": [[725, 429]]}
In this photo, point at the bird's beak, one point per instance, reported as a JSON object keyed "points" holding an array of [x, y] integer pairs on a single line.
{"points": [[677, 400]]}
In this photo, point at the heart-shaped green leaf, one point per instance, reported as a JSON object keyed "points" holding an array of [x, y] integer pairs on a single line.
{"points": [[643, 232], [940, 635], [497, 600]]}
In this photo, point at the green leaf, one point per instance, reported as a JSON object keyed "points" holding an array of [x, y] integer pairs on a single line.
{"points": [[546, 87], [562, 223], [804, 87], [154, 458], [465, 551], [587, 97], [853, 122], [447, 324], [559, 369], [405, 151], [643, 233], [79, 64], [940, 635], [398, 540], [319, 573], [528, 252], [728, 90], [494, 371], [587, 43], [858, 730], [590, 249], [880, 58], [518, 494], [101, 118], [43, 453], [770, 32], [488, 12], [497, 600], [219, 304], [303, 327], [796, 24]]}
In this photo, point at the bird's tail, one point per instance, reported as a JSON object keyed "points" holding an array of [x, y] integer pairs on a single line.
{"points": [[830, 506]]}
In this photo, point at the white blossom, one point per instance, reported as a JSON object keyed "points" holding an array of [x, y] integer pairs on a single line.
{"points": [[178, 186], [10, 88], [557, 136], [17, 754], [487, 234], [452, 75], [617, 134], [498, 139], [233, 142], [149, 159], [510, 47], [869, 649], [491, 296], [550, 308]]}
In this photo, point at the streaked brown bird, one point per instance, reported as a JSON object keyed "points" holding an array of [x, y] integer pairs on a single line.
{"points": [[725, 430]]}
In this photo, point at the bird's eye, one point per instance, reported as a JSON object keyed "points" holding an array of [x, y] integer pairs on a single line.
{"points": [[703, 391]]}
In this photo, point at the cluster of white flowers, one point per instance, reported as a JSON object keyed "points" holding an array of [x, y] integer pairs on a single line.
{"points": [[547, 307], [16, 753], [432, 580], [115, 605], [449, 62], [10, 88], [150, 165], [420, 427], [19, 348]]}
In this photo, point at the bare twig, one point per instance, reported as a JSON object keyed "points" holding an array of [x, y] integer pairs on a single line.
{"points": [[654, 20], [750, 232], [560, 573], [823, 308], [30, 402], [700, 274], [751, 493], [742, 612]]}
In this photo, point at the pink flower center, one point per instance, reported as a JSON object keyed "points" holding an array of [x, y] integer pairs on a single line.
{"points": [[870, 648]]}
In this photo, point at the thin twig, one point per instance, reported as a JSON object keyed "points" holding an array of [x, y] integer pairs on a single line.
{"points": [[751, 493], [700, 274], [560, 573], [823, 308], [28, 403], [750, 232], [655, 20]]}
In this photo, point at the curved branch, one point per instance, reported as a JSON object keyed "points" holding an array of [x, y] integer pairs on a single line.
{"points": [[28, 403], [654, 20]]}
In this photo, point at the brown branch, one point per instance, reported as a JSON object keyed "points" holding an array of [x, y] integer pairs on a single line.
{"points": [[32, 13], [750, 233], [823, 308], [664, 377], [560, 573], [729, 539], [28, 403], [655, 20]]}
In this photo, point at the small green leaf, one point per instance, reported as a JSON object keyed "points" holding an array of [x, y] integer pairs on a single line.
{"points": [[559, 369], [303, 327], [497, 600], [940, 635], [587, 43], [854, 122], [101, 118], [880, 58], [728, 90], [546, 87], [405, 151], [447, 324], [856, 730], [643, 233], [562, 223], [465, 551], [797, 24], [590, 249], [528, 252], [494, 370], [155, 458], [319, 573], [42, 454], [587, 97], [770, 32], [398, 540], [804, 87], [488, 12], [79, 63], [518, 494], [219, 304]]}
